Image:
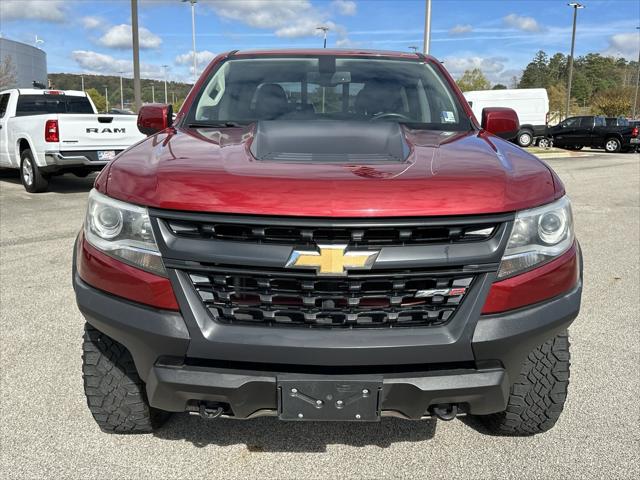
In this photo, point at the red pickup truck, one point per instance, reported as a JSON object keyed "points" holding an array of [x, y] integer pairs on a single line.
{"points": [[327, 235]]}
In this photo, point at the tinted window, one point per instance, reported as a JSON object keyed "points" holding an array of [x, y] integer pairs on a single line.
{"points": [[329, 88], [4, 101], [43, 104]]}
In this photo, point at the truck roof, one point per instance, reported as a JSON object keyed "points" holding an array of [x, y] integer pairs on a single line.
{"points": [[40, 91], [330, 51]]}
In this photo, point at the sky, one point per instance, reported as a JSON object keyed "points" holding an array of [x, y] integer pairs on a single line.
{"points": [[499, 36]]}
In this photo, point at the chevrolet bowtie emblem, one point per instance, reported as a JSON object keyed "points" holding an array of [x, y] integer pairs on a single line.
{"points": [[332, 259]]}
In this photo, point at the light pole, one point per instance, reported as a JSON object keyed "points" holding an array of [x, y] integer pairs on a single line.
{"points": [[575, 6], [166, 97], [82, 81], [106, 99], [136, 54], [635, 97], [121, 96], [324, 30], [427, 29], [153, 93], [193, 38]]}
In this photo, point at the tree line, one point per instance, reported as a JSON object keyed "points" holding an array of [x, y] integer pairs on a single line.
{"points": [[601, 85], [95, 86]]}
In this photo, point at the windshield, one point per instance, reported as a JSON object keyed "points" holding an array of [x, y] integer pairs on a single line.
{"points": [[329, 88]]}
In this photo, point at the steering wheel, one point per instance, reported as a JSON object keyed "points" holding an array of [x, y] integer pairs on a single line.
{"points": [[400, 116]]}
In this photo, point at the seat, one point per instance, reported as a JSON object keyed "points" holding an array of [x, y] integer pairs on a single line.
{"points": [[271, 102], [378, 97]]}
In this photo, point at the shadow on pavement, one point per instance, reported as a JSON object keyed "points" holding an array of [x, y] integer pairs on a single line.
{"points": [[272, 435], [60, 184]]}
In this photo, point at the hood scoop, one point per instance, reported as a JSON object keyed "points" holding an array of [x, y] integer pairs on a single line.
{"points": [[329, 141]]}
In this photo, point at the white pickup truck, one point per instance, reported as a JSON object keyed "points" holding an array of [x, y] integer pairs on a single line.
{"points": [[51, 132]]}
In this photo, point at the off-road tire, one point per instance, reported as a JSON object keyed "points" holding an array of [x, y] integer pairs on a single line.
{"points": [[538, 395], [35, 182], [115, 394]]}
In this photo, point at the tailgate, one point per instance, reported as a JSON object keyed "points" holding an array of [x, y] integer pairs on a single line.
{"points": [[98, 132]]}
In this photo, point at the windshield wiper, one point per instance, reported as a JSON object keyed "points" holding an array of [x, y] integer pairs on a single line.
{"points": [[214, 124]]}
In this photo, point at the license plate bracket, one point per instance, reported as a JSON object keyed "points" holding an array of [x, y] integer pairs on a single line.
{"points": [[106, 155], [322, 399]]}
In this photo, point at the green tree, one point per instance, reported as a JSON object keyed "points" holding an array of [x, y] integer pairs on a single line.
{"points": [[98, 99], [536, 73], [473, 79], [499, 86]]}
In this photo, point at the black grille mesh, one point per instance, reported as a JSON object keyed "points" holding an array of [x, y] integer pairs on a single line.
{"points": [[363, 301], [354, 236]]}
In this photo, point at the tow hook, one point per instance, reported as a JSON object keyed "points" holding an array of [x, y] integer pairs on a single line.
{"points": [[210, 412], [445, 411]]}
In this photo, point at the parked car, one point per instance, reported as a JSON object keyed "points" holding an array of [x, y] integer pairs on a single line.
{"points": [[51, 132], [574, 133], [121, 111], [327, 235], [531, 105]]}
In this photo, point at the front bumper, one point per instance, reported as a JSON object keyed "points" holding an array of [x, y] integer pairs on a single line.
{"points": [[186, 360]]}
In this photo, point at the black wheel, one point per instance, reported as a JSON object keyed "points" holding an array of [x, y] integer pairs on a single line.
{"points": [[612, 145], [537, 397], [32, 178], [525, 138], [115, 394], [545, 143]]}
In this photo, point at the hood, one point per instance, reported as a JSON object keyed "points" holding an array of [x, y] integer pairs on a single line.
{"points": [[440, 173]]}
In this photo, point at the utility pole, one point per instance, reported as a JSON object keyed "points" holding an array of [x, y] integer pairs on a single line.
{"points": [[193, 38], [153, 93], [136, 54], [575, 6], [427, 29], [121, 95], [635, 97], [166, 98], [106, 98], [82, 81], [324, 30]]}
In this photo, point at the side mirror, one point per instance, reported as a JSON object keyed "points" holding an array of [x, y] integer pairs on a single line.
{"points": [[500, 121], [154, 118]]}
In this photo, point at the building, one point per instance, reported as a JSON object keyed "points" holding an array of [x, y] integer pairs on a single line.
{"points": [[29, 62]]}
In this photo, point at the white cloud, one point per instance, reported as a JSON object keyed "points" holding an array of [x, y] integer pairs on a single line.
{"points": [[119, 36], [623, 45], [203, 57], [44, 10], [91, 22], [494, 68], [99, 63], [345, 7], [519, 22], [461, 29], [287, 18]]}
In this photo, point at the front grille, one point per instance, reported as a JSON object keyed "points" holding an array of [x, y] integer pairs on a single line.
{"points": [[379, 235], [410, 299]]}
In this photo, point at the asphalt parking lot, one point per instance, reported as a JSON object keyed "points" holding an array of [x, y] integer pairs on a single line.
{"points": [[47, 431]]}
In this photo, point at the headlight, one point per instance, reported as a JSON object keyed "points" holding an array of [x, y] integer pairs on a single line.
{"points": [[538, 235], [123, 231]]}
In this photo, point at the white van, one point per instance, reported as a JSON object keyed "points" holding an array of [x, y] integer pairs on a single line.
{"points": [[531, 105]]}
